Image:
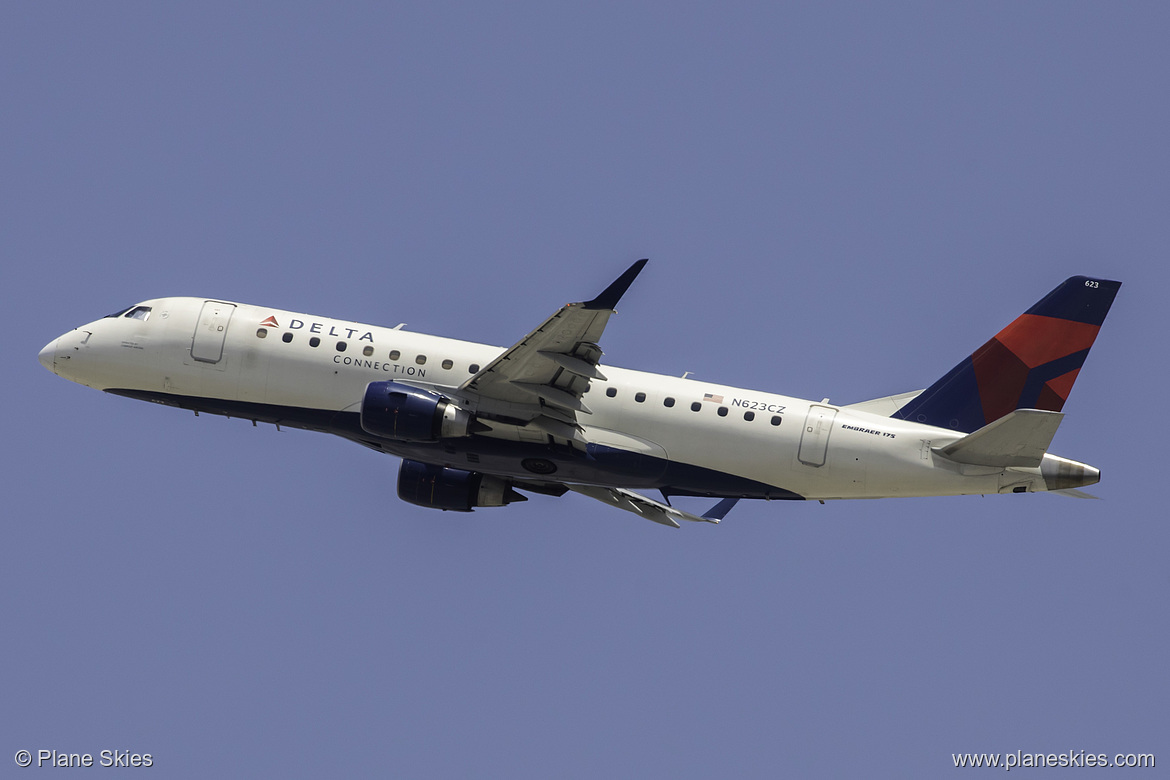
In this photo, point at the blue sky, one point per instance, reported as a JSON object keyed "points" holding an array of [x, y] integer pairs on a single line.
{"points": [[838, 200]]}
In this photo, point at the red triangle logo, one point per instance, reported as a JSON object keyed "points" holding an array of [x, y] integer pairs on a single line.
{"points": [[270, 322]]}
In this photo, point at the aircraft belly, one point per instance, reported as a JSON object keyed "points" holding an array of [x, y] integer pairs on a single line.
{"points": [[537, 462]]}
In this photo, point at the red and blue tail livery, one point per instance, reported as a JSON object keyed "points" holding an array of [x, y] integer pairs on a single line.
{"points": [[1030, 364]]}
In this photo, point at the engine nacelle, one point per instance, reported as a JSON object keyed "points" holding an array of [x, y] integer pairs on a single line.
{"points": [[397, 411], [442, 487]]}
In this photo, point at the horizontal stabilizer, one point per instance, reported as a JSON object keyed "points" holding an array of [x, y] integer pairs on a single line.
{"points": [[887, 406], [1019, 438], [1073, 493]]}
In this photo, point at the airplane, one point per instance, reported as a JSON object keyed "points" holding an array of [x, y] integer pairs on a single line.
{"points": [[476, 424]]}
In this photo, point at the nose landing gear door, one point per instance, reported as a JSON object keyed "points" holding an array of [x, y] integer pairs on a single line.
{"points": [[207, 345]]}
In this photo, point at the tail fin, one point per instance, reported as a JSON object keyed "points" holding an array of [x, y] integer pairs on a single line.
{"points": [[1030, 364]]}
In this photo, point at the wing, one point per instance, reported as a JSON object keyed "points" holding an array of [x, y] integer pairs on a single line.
{"points": [[541, 379], [650, 509]]}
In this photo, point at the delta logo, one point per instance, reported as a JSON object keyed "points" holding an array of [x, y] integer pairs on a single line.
{"points": [[318, 327]]}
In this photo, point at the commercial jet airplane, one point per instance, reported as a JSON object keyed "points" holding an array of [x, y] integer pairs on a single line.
{"points": [[474, 423]]}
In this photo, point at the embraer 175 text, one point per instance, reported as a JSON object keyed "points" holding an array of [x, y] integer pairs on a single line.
{"points": [[474, 423]]}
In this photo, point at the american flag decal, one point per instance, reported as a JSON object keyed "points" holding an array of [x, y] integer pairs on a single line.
{"points": [[717, 399]]}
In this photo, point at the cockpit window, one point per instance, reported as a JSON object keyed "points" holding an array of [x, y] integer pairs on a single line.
{"points": [[133, 312]]}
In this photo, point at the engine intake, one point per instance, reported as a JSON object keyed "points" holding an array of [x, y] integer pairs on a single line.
{"points": [[397, 411], [442, 487]]}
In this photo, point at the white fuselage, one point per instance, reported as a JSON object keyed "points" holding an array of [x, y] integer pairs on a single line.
{"points": [[299, 369]]}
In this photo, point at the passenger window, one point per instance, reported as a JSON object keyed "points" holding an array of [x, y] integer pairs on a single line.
{"points": [[696, 406], [777, 419], [314, 342], [668, 402], [473, 368], [722, 411], [395, 354], [262, 333], [639, 397], [341, 345], [749, 416], [611, 392], [448, 363], [286, 338], [421, 360], [368, 350]]}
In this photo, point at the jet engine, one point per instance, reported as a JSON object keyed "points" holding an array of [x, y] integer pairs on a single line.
{"points": [[442, 487], [397, 411]]}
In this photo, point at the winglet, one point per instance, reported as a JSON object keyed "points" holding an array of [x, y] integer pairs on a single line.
{"points": [[612, 294], [720, 510]]}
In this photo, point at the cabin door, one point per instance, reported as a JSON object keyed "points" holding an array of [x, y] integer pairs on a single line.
{"points": [[814, 439], [207, 346]]}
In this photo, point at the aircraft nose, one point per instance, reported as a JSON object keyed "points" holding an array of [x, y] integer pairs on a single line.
{"points": [[48, 354]]}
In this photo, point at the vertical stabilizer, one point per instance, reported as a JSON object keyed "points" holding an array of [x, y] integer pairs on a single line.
{"points": [[1030, 364]]}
